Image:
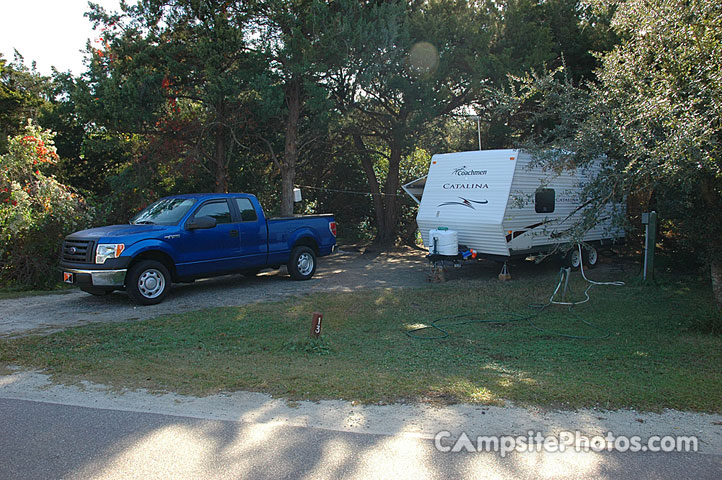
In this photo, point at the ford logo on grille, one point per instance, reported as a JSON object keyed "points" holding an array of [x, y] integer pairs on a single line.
{"points": [[72, 250]]}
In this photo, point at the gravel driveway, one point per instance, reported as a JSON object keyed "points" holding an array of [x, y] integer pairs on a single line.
{"points": [[344, 271]]}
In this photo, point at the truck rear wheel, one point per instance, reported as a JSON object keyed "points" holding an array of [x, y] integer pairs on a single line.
{"points": [[302, 265], [148, 282]]}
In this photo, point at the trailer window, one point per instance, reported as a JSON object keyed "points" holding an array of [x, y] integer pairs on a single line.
{"points": [[544, 200]]}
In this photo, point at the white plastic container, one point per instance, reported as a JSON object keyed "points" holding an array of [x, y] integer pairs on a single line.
{"points": [[443, 242]]}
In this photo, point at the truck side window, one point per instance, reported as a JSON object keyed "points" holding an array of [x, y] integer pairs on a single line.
{"points": [[217, 210], [544, 200], [248, 213]]}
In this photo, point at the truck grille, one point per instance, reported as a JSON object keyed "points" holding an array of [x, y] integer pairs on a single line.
{"points": [[78, 251]]}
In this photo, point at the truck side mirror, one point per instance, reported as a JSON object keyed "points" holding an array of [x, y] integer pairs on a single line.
{"points": [[201, 223]]}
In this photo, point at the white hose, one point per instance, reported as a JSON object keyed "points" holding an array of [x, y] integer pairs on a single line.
{"points": [[586, 291]]}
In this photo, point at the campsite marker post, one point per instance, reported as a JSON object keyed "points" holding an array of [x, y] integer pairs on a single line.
{"points": [[316, 324]]}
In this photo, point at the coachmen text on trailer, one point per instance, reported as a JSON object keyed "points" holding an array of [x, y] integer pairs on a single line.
{"points": [[501, 205]]}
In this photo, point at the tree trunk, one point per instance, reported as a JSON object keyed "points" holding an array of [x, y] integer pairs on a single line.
{"points": [[220, 161], [716, 274], [368, 166], [220, 154], [290, 153], [387, 236], [711, 200]]}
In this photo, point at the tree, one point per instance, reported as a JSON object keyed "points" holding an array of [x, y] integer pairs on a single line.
{"points": [[524, 38], [207, 79], [580, 31], [176, 70], [36, 211], [536, 37], [23, 92], [663, 91], [655, 115], [412, 63], [301, 40]]}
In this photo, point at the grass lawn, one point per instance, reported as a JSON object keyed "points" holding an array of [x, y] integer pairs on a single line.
{"points": [[651, 359]]}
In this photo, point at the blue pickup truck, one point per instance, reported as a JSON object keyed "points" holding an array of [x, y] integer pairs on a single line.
{"points": [[185, 237]]}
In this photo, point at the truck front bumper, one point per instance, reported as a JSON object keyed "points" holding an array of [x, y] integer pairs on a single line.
{"points": [[97, 278]]}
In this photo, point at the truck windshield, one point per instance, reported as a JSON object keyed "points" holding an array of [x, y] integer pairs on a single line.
{"points": [[167, 211]]}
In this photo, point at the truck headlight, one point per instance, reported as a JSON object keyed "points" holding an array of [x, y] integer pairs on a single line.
{"points": [[108, 250]]}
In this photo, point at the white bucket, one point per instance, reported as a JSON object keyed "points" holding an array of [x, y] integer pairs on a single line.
{"points": [[443, 242]]}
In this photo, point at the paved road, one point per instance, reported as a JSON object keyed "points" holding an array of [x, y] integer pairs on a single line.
{"points": [[43, 440]]}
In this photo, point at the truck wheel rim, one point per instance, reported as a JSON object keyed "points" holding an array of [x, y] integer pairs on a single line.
{"points": [[305, 264], [151, 283]]}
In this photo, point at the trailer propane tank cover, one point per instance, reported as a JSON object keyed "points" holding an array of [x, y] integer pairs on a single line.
{"points": [[316, 324]]}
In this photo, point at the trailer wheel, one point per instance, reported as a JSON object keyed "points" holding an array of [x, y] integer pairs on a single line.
{"points": [[591, 257], [572, 258]]}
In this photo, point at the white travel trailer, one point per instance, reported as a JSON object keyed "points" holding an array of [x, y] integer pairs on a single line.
{"points": [[502, 205]]}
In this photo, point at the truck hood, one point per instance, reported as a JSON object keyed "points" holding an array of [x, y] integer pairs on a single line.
{"points": [[123, 233]]}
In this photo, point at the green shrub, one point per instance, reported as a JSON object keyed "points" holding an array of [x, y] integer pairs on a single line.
{"points": [[36, 211]]}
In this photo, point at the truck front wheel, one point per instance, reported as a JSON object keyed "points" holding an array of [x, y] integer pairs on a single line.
{"points": [[303, 263], [148, 282]]}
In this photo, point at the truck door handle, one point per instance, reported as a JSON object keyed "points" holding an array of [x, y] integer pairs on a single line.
{"points": [[234, 233]]}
